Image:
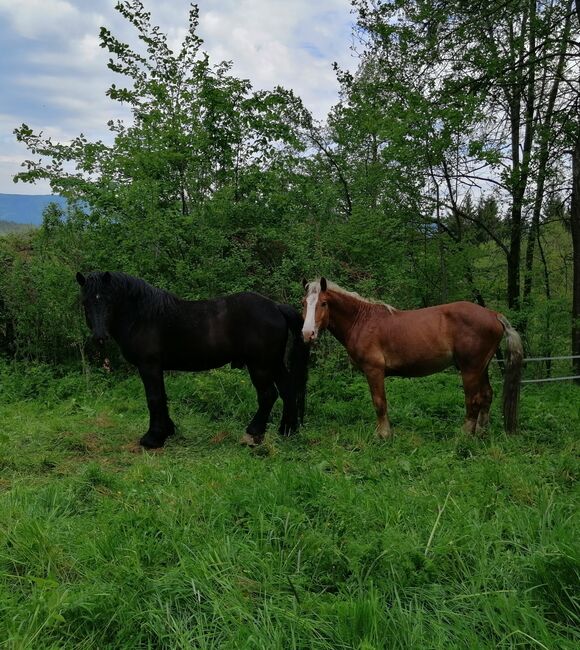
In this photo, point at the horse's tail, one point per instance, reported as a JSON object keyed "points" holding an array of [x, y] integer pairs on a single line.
{"points": [[512, 376], [298, 358]]}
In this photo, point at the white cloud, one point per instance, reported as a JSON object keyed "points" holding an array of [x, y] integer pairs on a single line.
{"points": [[277, 42], [64, 78], [82, 55], [41, 18], [11, 165]]}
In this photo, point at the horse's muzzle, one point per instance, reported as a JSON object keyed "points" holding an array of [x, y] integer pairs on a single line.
{"points": [[309, 336]]}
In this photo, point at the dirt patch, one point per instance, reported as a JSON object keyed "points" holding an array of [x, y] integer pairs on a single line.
{"points": [[93, 443], [84, 444], [135, 448], [132, 447], [103, 421], [220, 437]]}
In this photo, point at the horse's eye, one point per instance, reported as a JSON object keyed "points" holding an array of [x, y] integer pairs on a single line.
{"points": [[323, 304]]}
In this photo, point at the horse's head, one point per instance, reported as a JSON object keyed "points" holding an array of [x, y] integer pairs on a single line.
{"points": [[315, 309], [97, 297]]}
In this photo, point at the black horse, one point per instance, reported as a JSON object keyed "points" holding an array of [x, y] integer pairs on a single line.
{"points": [[158, 331]]}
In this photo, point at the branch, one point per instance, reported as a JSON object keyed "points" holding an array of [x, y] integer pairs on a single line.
{"points": [[334, 164]]}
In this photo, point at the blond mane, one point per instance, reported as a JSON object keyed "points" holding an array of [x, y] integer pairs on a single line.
{"points": [[315, 285]]}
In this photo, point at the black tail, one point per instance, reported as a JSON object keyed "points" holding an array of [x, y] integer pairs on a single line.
{"points": [[512, 376], [298, 358]]}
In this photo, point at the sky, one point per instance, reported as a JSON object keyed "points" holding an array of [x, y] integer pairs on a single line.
{"points": [[53, 74]]}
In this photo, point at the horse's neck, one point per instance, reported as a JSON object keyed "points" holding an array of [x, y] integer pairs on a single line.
{"points": [[127, 312], [345, 315]]}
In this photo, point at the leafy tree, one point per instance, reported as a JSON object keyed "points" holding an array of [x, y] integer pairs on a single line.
{"points": [[490, 78], [201, 146]]}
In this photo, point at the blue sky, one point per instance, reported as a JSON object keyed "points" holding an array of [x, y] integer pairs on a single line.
{"points": [[53, 73]]}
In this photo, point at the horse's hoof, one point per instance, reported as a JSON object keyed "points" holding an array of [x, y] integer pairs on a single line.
{"points": [[249, 440], [151, 442], [469, 427]]}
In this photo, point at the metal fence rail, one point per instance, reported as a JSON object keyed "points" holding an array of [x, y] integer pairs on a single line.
{"points": [[559, 358], [574, 356], [537, 381]]}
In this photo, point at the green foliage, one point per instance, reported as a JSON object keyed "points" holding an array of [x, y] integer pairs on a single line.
{"points": [[213, 187], [39, 309]]}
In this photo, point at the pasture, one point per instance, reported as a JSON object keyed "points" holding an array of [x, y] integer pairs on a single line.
{"points": [[331, 539]]}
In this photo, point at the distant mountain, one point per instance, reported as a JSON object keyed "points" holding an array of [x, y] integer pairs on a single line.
{"points": [[27, 208], [10, 226]]}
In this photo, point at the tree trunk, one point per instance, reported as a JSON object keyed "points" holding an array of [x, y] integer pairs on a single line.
{"points": [[522, 92], [575, 228], [546, 348], [544, 152]]}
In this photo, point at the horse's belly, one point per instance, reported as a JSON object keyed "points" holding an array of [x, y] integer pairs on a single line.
{"points": [[195, 362], [419, 367]]}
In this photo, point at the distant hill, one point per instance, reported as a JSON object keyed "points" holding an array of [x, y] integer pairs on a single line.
{"points": [[26, 208], [10, 226]]}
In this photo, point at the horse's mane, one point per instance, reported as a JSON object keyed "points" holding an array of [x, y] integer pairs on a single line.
{"points": [[353, 294], [149, 300]]}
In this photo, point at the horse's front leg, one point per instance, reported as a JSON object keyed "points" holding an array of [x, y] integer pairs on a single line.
{"points": [[376, 379], [160, 424]]}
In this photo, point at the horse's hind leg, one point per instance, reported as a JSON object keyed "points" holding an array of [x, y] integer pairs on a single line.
{"points": [[263, 380], [486, 396], [477, 399], [289, 421], [376, 380]]}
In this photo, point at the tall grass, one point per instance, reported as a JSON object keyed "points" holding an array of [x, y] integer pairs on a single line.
{"points": [[328, 540]]}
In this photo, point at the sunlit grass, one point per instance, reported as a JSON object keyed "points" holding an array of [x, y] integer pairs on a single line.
{"points": [[331, 539]]}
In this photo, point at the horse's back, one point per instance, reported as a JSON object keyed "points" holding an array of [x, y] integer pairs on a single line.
{"points": [[251, 315], [451, 316], [241, 329], [427, 340]]}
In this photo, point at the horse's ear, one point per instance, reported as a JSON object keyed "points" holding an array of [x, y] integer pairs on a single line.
{"points": [[106, 278], [304, 283], [323, 284], [81, 279]]}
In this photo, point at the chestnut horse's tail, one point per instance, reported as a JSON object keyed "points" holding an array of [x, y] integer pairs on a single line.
{"points": [[297, 359], [512, 376]]}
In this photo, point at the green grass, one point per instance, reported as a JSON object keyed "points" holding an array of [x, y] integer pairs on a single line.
{"points": [[331, 539]]}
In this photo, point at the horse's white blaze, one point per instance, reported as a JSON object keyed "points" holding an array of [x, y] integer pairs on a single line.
{"points": [[309, 329]]}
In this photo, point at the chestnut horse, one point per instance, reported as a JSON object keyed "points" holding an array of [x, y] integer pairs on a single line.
{"points": [[383, 341]]}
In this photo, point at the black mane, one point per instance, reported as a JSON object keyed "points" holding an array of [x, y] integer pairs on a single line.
{"points": [[149, 300]]}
